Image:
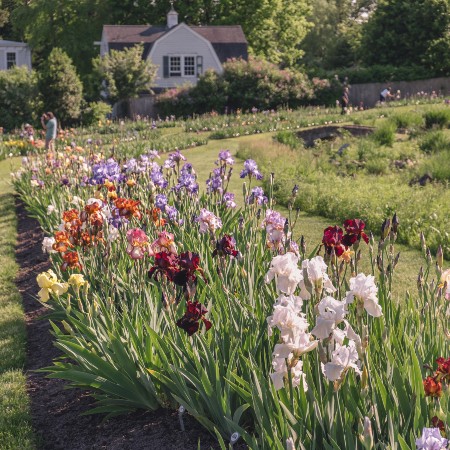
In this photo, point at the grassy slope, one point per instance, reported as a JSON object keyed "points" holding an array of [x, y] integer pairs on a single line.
{"points": [[15, 423], [311, 227]]}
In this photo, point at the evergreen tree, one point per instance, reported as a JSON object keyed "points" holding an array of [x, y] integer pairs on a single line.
{"points": [[61, 87]]}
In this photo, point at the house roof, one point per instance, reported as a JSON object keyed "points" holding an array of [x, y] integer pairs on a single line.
{"points": [[12, 43], [228, 41]]}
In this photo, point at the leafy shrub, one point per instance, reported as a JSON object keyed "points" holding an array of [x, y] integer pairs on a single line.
{"points": [[434, 141], [242, 85], [94, 112], [375, 73], [288, 138], [377, 166], [385, 134], [407, 120], [437, 165], [437, 118], [19, 97]]}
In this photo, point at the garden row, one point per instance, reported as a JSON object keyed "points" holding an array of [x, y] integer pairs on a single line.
{"points": [[168, 294]]}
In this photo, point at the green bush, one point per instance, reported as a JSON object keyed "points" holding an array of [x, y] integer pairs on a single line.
{"points": [[437, 118], [434, 141], [385, 134], [437, 166], [242, 85], [377, 166], [288, 138], [407, 120], [375, 73], [19, 97], [94, 112]]}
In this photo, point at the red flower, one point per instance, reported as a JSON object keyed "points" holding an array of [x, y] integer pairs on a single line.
{"points": [[355, 231], [443, 367], [332, 238], [437, 423], [432, 388], [190, 322], [165, 263], [71, 261], [189, 264], [226, 246]]}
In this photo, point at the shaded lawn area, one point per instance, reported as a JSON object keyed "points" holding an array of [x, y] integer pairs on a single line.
{"points": [[15, 422]]}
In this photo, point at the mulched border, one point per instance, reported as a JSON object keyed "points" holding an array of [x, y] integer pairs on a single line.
{"points": [[55, 410]]}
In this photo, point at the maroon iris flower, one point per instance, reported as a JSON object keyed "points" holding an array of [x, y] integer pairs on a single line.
{"points": [[332, 238], [190, 322], [355, 231], [166, 264], [189, 264], [226, 246]]}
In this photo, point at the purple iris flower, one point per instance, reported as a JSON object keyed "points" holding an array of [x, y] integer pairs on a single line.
{"points": [[161, 201], [251, 170], [257, 196]]}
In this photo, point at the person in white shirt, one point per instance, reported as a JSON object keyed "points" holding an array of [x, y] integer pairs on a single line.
{"points": [[385, 94]]}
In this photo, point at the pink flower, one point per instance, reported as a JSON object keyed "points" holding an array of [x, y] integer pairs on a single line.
{"points": [[138, 243], [164, 243]]}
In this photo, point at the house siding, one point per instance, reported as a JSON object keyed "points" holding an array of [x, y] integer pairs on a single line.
{"points": [[23, 55], [182, 41]]}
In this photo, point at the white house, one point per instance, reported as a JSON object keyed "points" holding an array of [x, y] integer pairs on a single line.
{"points": [[14, 54], [181, 52]]}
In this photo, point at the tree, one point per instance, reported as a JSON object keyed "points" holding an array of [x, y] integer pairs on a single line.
{"points": [[19, 97], [125, 73], [61, 87], [404, 32], [72, 26], [274, 28], [334, 39]]}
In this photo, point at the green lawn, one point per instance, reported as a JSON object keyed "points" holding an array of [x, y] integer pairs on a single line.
{"points": [[15, 423], [203, 157]]}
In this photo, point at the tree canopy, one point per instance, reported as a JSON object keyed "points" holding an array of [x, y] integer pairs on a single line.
{"points": [[124, 73]]}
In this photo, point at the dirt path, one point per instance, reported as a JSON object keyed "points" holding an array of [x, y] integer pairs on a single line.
{"points": [[56, 411]]}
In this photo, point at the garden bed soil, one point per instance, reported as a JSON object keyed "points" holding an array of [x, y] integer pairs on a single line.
{"points": [[55, 410]]}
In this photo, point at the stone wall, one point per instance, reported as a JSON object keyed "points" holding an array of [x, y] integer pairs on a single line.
{"points": [[369, 93]]}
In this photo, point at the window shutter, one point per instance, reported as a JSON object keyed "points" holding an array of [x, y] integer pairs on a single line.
{"points": [[199, 65], [165, 66]]}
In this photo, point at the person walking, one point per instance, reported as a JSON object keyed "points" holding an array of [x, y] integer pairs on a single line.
{"points": [[50, 125]]}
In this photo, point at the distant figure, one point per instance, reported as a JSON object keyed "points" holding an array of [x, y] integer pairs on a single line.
{"points": [[385, 94], [50, 125], [29, 132], [344, 101]]}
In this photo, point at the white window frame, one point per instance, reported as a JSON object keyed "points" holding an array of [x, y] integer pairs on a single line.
{"points": [[182, 72], [7, 53]]}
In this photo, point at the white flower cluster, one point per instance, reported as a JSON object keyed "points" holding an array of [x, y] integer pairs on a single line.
{"points": [[292, 323], [342, 344]]}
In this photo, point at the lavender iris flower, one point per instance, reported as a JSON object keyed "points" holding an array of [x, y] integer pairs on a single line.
{"points": [[251, 170]]}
